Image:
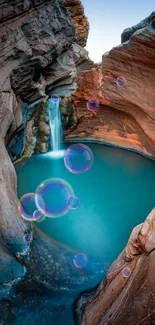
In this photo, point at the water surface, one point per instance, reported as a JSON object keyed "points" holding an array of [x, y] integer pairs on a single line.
{"points": [[116, 195]]}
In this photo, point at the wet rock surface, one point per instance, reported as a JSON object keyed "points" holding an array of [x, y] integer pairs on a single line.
{"points": [[69, 119], [52, 283]]}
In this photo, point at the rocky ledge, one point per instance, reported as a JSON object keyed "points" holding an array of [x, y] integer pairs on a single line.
{"points": [[127, 114]]}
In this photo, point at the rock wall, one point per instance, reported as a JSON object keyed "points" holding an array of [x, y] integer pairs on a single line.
{"points": [[40, 50], [126, 299], [127, 114], [14, 249], [79, 20]]}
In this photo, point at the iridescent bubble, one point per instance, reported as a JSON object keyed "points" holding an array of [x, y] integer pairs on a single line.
{"points": [[27, 206], [38, 216], [80, 260], [41, 219], [73, 202], [121, 81], [54, 98], [93, 105], [28, 238], [78, 158], [126, 272], [55, 193]]}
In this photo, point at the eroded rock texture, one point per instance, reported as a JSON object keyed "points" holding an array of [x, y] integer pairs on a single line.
{"points": [[127, 114], [40, 51], [13, 246], [126, 300]]}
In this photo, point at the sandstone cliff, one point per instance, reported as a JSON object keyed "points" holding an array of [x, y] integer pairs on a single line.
{"points": [[127, 114]]}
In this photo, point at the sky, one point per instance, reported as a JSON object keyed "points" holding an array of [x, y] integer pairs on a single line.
{"points": [[108, 18]]}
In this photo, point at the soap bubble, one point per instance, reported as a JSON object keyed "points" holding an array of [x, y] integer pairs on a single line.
{"points": [[27, 206], [41, 219], [73, 202], [80, 260], [78, 158], [54, 98], [126, 272], [28, 238], [93, 105], [55, 193], [38, 216], [121, 81]]}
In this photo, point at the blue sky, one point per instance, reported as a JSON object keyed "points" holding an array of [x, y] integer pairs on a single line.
{"points": [[108, 18]]}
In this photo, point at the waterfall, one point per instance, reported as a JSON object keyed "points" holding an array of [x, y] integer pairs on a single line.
{"points": [[55, 123]]}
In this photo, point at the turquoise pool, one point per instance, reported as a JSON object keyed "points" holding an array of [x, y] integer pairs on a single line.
{"points": [[116, 194]]}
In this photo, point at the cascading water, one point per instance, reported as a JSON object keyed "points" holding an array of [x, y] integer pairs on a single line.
{"points": [[55, 123]]}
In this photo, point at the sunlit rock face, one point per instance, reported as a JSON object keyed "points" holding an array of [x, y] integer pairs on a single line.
{"points": [[126, 296], [127, 116], [79, 20]]}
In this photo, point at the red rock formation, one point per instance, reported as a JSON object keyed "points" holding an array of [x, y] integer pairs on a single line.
{"points": [[79, 20], [127, 114], [128, 300]]}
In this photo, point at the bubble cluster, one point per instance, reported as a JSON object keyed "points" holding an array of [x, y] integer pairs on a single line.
{"points": [[126, 272], [121, 81], [55, 197], [27, 206], [54, 98], [80, 260], [73, 202], [93, 105], [78, 158], [55, 193]]}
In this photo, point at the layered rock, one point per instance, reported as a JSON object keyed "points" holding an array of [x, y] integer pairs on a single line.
{"points": [[40, 53], [79, 20], [126, 297], [127, 114], [33, 35]]}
